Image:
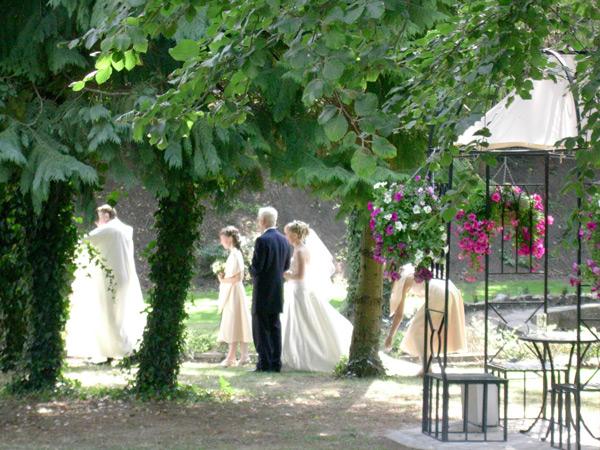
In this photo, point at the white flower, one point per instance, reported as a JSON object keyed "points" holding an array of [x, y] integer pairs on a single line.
{"points": [[427, 209], [387, 197], [419, 255], [400, 226], [420, 191], [388, 217], [442, 228], [416, 209], [414, 226], [380, 185], [422, 202], [446, 248]]}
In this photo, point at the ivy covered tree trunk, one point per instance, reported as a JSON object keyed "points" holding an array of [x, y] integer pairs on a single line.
{"points": [[353, 261], [15, 275], [177, 220], [364, 359], [52, 237]]}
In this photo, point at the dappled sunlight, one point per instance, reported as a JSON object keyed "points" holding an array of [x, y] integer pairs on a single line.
{"points": [[90, 375]]}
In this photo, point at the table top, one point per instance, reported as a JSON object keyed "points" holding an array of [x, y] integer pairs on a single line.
{"points": [[559, 337]]}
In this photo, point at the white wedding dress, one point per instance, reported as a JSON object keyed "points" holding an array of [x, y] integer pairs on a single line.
{"points": [[314, 334]]}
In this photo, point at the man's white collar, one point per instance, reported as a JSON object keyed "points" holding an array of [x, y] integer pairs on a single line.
{"points": [[270, 228]]}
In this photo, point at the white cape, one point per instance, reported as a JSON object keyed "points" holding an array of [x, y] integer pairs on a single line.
{"points": [[107, 317]]}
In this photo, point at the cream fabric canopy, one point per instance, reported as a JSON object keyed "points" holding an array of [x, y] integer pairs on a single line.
{"points": [[536, 123]]}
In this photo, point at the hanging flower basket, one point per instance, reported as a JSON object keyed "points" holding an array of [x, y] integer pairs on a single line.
{"points": [[515, 215], [590, 235], [407, 228]]}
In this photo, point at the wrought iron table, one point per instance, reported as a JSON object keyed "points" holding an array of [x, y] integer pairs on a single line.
{"points": [[541, 345]]}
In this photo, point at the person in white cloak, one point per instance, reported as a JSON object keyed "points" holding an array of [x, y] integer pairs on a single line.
{"points": [[107, 317]]}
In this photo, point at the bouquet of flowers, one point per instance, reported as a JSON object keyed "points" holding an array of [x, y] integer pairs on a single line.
{"points": [[406, 226], [218, 267], [590, 234], [519, 216]]}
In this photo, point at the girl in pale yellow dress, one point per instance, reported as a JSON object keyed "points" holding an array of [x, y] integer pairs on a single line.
{"points": [[413, 341], [235, 319]]}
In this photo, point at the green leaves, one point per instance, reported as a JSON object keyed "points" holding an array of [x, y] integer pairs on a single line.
{"points": [[383, 148], [336, 127], [185, 50], [333, 69], [363, 164], [353, 14], [375, 9], [10, 148], [312, 91], [366, 104]]}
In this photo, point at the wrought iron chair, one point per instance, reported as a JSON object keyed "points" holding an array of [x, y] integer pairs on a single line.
{"points": [[437, 388], [566, 423]]}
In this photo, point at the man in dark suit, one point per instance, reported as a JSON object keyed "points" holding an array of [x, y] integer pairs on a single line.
{"points": [[271, 259]]}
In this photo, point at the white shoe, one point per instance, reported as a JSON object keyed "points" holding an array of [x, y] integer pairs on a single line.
{"points": [[243, 362], [227, 363]]}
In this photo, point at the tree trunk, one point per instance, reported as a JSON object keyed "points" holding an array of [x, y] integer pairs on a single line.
{"points": [[52, 240], [364, 359], [177, 220], [353, 262], [15, 275]]}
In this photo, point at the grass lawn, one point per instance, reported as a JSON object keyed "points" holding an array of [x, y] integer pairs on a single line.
{"points": [[292, 410], [475, 291], [204, 317], [233, 408]]}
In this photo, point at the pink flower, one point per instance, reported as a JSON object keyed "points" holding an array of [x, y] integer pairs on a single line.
{"points": [[418, 178], [398, 196], [370, 206], [389, 230], [496, 197], [394, 216], [472, 217], [550, 220], [480, 248], [372, 224], [592, 226], [460, 214]]}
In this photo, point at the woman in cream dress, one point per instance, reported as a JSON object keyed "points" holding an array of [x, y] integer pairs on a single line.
{"points": [[413, 342], [235, 319]]}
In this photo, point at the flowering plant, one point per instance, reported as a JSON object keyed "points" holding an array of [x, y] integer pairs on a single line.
{"points": [[218, 267], [518, 216], [404, 227], [590, 234]]}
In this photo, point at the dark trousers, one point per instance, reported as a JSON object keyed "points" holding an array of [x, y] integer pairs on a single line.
{"points": [[266, 331]]}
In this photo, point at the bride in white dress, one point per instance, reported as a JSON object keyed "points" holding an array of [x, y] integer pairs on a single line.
{"points": [[314, 334]]}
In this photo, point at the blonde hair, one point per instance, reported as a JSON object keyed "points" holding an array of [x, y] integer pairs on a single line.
{"points": [[299, 228], [107, 209]]}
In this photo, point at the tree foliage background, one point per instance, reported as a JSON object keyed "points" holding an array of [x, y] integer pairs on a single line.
{"points": [[330, 95]]}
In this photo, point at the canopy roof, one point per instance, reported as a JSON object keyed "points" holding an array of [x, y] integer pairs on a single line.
{"points": [[537, 123]]}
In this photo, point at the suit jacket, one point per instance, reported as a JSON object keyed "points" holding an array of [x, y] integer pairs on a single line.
{"points": [[272, 254]]}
